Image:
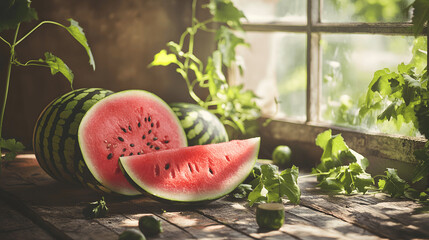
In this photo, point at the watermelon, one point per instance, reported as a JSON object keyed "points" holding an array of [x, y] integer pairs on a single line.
{"points": [[195, 173], [55, 141], [126, 123], [200, 125]]}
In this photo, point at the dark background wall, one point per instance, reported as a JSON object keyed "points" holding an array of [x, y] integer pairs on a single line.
{"points": [[123, 36]]}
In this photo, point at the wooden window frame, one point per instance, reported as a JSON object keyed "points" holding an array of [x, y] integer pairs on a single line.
{"points": [[383, 150]]}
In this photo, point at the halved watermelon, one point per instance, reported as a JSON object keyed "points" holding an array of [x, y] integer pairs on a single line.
{"points": [[193, 174], [126, 123]]}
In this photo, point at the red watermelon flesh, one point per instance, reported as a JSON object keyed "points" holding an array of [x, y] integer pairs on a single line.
{"points": [[132, 122], [195, 173]]}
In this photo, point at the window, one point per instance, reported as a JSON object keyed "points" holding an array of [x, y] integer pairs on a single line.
{"points": [[316, 58]]}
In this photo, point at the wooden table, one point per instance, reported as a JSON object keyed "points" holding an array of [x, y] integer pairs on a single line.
{"points": [[34, 206]]}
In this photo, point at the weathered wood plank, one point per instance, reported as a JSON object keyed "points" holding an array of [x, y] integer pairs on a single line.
{"points": [[378, 213], [14, 225]]}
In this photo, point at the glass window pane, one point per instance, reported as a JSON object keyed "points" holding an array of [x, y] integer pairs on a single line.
{"points": [[275, 69], [349, 63], [366, 10], [273, 10]]}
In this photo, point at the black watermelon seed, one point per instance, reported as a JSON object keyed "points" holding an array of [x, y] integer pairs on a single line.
{"points": [[148, 143], [145, 119], [131, 154], [122, 155], [139, 124], [149, 118], [129, 128], [110, 156], [151, 124], [166, 141], [155, 138], [211, 171], [132, 145], [150, 131], [157, 148], [120, 139], [144, 137], [151, 146], [124, 130], [124, 149], [139, 153], [167, 166]]}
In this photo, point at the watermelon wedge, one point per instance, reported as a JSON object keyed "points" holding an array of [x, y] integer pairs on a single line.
{"points": [[192, 174]]}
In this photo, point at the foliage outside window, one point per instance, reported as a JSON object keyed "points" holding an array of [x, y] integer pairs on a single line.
{"points": [[318, 66]]}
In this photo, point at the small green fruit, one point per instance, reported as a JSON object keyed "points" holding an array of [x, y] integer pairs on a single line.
{"points": [[282, 156], [131, 234], [150, 226], [270, 215]]}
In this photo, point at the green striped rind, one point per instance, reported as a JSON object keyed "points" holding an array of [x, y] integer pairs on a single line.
{"points": [[201, 126], [55, 136]]}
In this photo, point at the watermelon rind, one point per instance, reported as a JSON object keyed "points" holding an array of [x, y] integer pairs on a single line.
{"points": [[218, 187], [200, 125], [90, 158], [55, 141]]}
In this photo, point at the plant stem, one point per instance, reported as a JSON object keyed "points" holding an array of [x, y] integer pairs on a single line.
{"points": [[34, 29], [9, 70], [4, 40]]}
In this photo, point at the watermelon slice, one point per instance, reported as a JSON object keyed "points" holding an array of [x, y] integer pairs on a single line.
{"points": [[126, 123], [193, 174]]}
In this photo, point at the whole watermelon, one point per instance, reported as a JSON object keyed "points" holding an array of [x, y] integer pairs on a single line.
{"points": [[201, 126], [55, 141]]}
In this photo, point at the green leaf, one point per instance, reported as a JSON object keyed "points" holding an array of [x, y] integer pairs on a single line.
{"points": [[13, 146], [257, 195], [420, 15], [13, 12], [411, 88], [227, 41], [225, 11], [273, 186], [333, 173], [163, 59], [290, 185], [57, 65], [77, 32], [332, 147], [242, 191], [392, 184]]}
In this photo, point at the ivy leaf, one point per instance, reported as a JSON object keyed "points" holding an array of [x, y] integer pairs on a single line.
{"points": [[290, 185], [420, 15], [163, 59], [13, 146], [392, 184], [57, 65], [332, 172], [227, 42], [96, 209], [411, 87], [225, 11], [241, 192], [13, 12], [273, 186], [332, 147], [77, 32]]}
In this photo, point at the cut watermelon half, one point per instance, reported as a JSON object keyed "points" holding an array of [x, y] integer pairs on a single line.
{"points": [[193, 174], [126, 123]]}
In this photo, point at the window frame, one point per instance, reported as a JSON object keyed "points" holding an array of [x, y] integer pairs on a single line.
{"points": [[383, 150]]}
